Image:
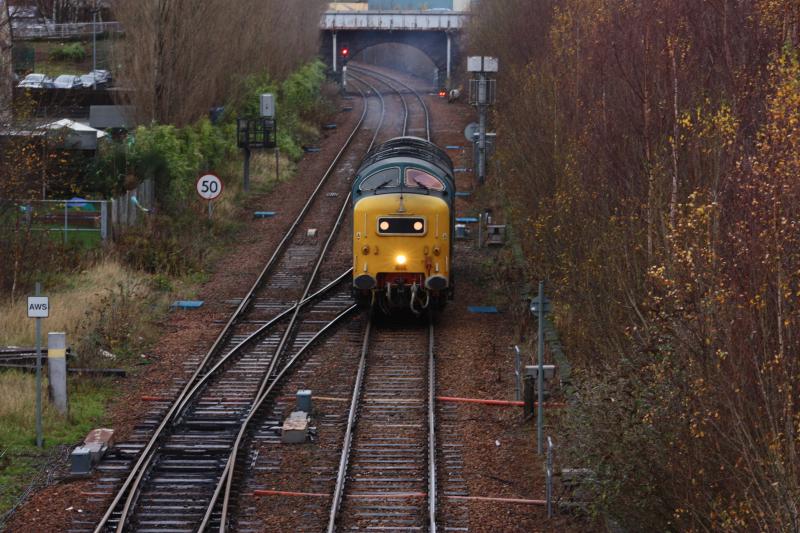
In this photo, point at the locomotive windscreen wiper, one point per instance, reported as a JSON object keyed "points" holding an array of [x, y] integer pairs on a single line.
{"points": [[420, 183], [384, 184]]}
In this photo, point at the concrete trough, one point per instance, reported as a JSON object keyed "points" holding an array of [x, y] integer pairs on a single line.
{"points": [[295, 428], [187, 304], [483, 309]]}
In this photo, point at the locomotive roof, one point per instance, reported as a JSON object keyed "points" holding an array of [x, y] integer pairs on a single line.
{"points": [[411, 147]]}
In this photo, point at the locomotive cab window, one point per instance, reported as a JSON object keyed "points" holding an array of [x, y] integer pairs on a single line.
{"points": [[421, 179], [388, 177]]}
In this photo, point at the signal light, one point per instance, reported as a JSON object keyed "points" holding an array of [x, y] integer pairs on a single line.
{"points": [[345, 52], [442, 93]]}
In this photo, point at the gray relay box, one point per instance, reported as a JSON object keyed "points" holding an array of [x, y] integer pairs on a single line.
{"points": [[267, 101]]}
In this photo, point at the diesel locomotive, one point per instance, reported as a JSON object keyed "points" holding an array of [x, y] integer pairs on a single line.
{"points": [[403, 222]]}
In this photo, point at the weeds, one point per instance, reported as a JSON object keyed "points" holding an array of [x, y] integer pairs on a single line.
{"points": [[68, 304], [20, 457]]}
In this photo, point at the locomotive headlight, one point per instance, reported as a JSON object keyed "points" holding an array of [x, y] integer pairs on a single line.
{"points": [[418, 225], [400, 259], [384, 225]]}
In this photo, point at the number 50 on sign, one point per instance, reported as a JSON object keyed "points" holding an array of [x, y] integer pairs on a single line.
{"points": [[209, 186]]}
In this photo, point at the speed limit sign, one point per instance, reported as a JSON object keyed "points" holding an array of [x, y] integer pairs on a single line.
{"points": [[209, 186]]}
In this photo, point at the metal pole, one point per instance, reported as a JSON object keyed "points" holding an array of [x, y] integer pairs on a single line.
{"points": [[209, 209], [549, 485], [517, 373], [246, 169], [66, 226], [482, 101], [334, 51], [94, 46], [540, 376], [277, 163], [39, 438], [449, 52], [480, 230]]}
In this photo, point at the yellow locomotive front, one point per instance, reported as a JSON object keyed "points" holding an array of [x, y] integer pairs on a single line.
{"points": [[402, 232], [401, 249]]}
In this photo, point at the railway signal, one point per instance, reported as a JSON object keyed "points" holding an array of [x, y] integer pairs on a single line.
{"points": [[482, 94]]}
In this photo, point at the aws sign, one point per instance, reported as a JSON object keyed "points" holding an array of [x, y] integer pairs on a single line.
{"points": [[38, 307]]}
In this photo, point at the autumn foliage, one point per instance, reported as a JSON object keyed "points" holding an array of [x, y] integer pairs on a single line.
{"points": [[651, 165]]}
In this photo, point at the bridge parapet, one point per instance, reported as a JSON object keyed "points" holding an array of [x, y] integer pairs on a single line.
{"points": [[393, 20]]}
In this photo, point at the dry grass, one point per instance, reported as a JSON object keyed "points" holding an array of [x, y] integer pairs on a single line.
{"points": [[18, 391], [67, 306], [262, 180]]}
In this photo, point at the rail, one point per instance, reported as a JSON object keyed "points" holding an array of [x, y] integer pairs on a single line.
{"points": [[416, 95], [362, 400], [268, 385], [129, 491]]}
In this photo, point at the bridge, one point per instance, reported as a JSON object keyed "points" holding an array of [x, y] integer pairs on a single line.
{"points": [[435, 33]]}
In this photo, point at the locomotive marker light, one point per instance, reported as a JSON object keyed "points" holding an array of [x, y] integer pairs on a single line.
{"points": [[540, 306], [209, 187]]}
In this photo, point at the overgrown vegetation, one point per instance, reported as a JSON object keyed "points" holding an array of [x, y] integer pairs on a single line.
{"points": [[650, 168], [74, 52], [188, 57], [19, 457]]}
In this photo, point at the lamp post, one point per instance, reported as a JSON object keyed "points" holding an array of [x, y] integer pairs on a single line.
{"points": [[94, 46]]}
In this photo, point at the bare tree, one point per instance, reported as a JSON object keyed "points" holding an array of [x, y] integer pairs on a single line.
{"points": [[6, 66], [180, 57]]}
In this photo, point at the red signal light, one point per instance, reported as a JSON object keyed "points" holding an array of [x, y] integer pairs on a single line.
{"points": [[345, 52], [442, 93]]}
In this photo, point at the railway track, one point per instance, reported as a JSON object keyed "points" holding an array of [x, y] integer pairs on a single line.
{"points": [[269, 460], [185, 463], [387, 471], [177, 474], [420, 116]]}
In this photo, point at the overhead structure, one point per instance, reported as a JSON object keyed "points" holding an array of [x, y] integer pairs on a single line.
{"points": [[435, 32]]}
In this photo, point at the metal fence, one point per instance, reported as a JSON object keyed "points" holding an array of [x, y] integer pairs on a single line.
{"points": [[88, 223], [76, 221], [64, 31]]}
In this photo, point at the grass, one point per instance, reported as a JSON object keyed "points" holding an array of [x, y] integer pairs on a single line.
{"points": [[21, 458], [69, 304], [45, 64], [262, 181]]}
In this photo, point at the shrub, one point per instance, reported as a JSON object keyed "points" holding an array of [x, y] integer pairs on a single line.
{"points": [[74, 52], [299, 107]]}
